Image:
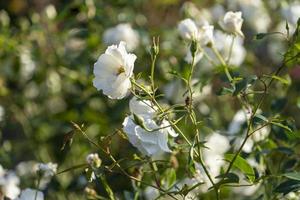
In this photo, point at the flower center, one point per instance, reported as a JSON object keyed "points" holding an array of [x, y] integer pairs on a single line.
{"points": [[120, 70]]}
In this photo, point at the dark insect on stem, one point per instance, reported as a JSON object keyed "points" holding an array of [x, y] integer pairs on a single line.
{"points": [[187, 101]]}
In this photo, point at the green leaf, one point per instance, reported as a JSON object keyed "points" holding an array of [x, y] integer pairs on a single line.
{"points": [[259, 119], [288, 186], [298, 102], [224, 91], [284, 150], [170, 177], [243, 84], [277, 105], [282, 126], [242, 165], [228, 178], [293, 175]]}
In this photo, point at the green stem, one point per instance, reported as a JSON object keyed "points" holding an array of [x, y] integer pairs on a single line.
{"points": [[216, 52], [230, 50], [152, 73], [194, 121]]}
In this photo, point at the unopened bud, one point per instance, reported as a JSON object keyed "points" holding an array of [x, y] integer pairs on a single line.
{"points": [[194, 47], [155, 46]]}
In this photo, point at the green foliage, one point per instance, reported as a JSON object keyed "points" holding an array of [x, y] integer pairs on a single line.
{"points": [[242, 165]]}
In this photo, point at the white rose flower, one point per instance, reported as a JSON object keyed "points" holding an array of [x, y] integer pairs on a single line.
{"points": [[113, 70], [31, 194], [47, 169], [188, 29], [232, 23], [122, 32], [149, 138]]}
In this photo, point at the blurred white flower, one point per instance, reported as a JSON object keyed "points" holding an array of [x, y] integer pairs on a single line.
{"points": [[47, 169], [28, 66], [232, 23], [150, 193], [248, 146], [2, 113], [223, 44], [237, 122], [206, 34], [93, 160], [27, 168], [9, 184], [217, 11], [31, 194], [113, 70], [253, 8], [190, 10], [277, 47], [291, 12], [51, 11], [246, 191], [122, 32], [291, 196], [146, 135], [188, 29], [261, 134], [214, 156], [175, 91], [189, 58]]}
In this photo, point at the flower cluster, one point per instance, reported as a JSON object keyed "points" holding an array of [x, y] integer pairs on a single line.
{"points": [[149, 136]]}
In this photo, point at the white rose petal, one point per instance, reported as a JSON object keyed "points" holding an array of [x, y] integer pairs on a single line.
{"points": [[188, 29], [206, 34], [141, 107], [113, 71]]}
